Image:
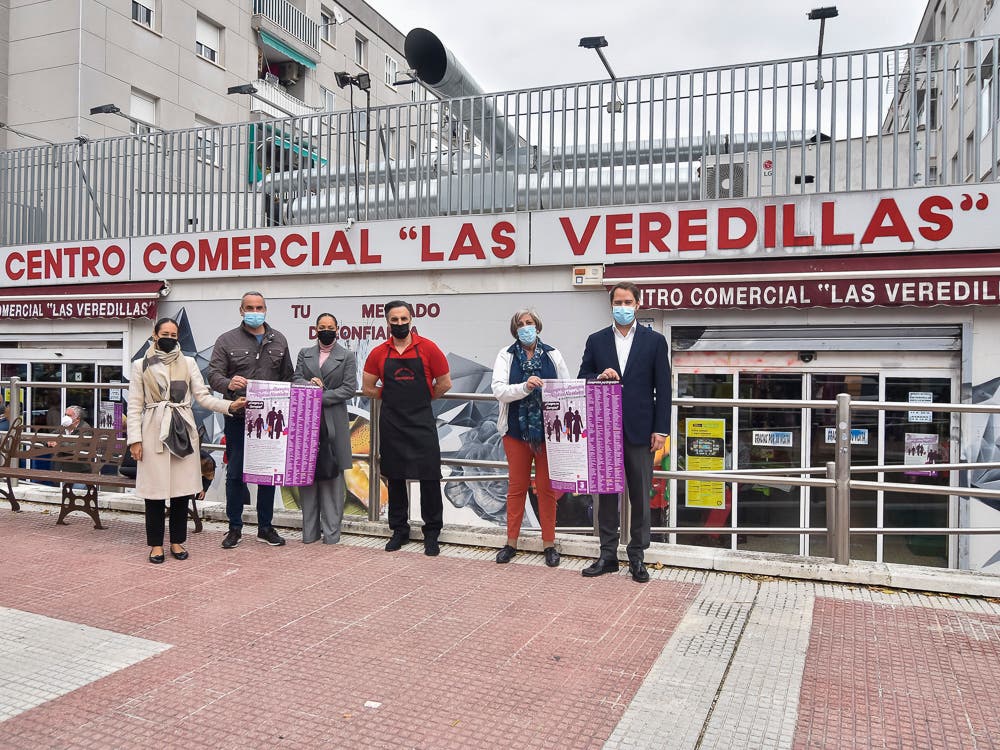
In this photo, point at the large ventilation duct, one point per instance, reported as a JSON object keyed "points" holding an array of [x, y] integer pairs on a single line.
{"points": [[437, 68]]}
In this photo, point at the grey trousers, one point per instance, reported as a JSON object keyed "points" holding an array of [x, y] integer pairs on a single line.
{"points": [[323, 509], [639, 478]]}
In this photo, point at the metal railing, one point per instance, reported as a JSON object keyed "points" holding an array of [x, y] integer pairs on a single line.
{"points": [[913, 115], [289, 18], [836, 479]]}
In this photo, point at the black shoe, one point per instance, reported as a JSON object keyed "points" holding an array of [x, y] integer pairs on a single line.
{"points": [[270, 536], [431, 547], [638, 571], [506, 554], [551, 557], [234, 537], [396, 541], [182, 555], [156, 559], [600, 567]]}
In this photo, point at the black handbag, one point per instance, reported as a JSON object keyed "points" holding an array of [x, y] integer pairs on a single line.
{"points": [[327, 466], [128, 466]]}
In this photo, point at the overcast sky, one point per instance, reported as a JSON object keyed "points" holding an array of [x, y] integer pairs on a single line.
{"points": [[514, 44]]}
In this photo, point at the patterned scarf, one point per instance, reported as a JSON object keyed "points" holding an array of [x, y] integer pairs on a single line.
{"points": [[166, 381], [529, 415]]}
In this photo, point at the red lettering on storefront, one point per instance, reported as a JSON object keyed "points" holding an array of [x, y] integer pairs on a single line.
{"points": [[692, 236]]}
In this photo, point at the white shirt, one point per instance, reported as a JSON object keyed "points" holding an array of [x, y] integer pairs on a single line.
{"points": [[623, 345]]}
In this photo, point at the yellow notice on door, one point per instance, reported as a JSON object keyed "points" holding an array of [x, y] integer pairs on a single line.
{"points": [[705, 450]]}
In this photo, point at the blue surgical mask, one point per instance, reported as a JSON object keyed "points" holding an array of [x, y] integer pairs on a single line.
{"points": [[253, 319], [527, 335], [623, 315]]}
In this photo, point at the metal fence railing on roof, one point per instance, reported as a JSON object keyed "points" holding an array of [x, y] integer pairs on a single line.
{"points": [[913, 115]]}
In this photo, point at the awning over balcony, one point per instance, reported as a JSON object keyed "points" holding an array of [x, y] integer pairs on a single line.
{"points": [[279, 46]]}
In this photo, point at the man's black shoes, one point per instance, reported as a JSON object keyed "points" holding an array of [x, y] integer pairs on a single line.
{"points": [[396, 541], [600, 567], [638, 572]]}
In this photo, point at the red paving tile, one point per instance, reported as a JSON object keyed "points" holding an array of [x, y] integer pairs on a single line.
{"points": [[282, 647], [879, 676]]}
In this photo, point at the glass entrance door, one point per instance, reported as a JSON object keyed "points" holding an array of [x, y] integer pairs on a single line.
{"points": [[789, 437], [918, 437]]}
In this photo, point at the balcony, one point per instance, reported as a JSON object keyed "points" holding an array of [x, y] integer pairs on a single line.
{"points": [[272, 100], [290, 33]]}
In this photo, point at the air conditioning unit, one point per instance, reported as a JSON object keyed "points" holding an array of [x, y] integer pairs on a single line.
{"points": [[290, 72], [724, 180]]}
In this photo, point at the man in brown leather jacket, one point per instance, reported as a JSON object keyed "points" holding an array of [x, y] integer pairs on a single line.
{"points": [[251, 351]]}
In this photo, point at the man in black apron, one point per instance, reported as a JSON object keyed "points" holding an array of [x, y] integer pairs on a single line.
{"points": [[413, 371]]}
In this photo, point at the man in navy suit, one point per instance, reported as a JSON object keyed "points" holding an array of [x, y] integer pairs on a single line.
{"points": [[637, 356]]}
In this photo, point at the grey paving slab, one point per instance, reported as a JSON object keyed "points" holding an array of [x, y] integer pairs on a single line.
{"points": [[671, 708], [757, 704], [44, 658]]}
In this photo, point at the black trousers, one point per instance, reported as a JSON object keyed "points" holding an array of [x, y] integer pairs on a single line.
{"points": [[431, 507], [155, 511], [639, 478]]}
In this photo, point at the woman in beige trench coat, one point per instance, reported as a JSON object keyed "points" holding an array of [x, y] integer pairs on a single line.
{"points": [[163, 438]]}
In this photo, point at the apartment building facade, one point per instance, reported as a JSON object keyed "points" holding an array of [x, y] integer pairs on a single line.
{"points": [[168, 64]]}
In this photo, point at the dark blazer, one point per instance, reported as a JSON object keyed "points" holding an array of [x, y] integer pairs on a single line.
{"points": [[340, 380], [645, 382]]}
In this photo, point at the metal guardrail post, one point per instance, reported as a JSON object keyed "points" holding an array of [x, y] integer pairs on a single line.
{"points": [[375, 469], [833, 531], [842, 476], [624, 517], [15, 398]]}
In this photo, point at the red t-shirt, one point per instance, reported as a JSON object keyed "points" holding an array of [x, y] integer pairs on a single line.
{"points": [[435, 363]]}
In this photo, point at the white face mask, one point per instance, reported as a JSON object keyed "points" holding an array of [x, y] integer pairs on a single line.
{"points": [[67, 420]]}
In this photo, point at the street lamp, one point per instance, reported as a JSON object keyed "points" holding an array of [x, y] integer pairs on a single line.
{"points": [[597, 43], [113, 109], [243, 88], [821, 14]]}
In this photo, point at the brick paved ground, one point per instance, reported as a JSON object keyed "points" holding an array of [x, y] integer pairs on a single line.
{"points": [[352, 647]]}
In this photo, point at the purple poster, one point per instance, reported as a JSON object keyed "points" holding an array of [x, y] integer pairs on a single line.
{"points": [[282, 424], [583, 435]]}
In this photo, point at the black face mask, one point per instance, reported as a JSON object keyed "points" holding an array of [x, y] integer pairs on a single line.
{"points": [[166, 345], [326, 337], [399, 330]]}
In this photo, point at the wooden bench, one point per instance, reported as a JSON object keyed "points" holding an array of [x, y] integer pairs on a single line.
{"points": [[96, 451]]}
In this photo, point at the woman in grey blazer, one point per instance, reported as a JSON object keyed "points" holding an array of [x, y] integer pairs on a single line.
{"points": [[334, 369]]}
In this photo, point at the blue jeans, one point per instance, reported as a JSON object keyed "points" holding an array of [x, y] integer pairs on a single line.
{"points": [[237, 494]]}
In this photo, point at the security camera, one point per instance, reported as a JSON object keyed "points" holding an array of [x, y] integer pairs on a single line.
{"points": [[807, 357]]}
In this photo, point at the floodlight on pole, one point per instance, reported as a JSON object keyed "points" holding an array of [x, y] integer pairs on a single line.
{"points": [[243, 88]]}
